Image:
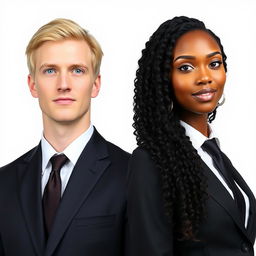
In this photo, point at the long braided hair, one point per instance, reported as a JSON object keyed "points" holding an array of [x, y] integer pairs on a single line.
{"points": [[158, 130]]}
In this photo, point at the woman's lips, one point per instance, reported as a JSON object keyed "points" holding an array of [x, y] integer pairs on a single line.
{"points": [[204, 95], [64, 101]]}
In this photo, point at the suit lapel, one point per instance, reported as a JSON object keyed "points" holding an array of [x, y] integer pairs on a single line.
{"points": [[218, 192], [251, 226], [89, 168], [29, 175]]}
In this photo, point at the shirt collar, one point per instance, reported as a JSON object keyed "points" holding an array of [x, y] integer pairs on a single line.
{"points": [[196, 137], [72, 151]]}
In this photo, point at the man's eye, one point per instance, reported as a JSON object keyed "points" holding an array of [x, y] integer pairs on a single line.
{"points": [[78, 71], [185, 68], [49, 71], [215, 64]]}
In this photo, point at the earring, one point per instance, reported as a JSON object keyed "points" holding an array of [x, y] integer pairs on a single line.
{"points": [[171, 106], [222, 100]]}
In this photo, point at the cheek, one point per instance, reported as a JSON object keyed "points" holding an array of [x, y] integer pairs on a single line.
{"points": [[42, 91], [220, 78], [85, 93], [180, 85], [220, 81]]}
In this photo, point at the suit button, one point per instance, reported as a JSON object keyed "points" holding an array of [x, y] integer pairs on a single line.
{"points": [[245, 247]]}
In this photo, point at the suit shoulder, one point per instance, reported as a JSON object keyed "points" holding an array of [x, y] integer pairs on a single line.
{"points": [[141, 156], [141, 165], [117, 151], [113, 150], [10, 166], [141, 153]]}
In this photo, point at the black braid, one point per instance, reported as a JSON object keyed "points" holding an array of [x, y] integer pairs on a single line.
{"points": [[158, 130]]}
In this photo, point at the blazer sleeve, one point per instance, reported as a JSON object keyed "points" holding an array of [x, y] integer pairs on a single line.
{"points": [[1, 247], [149, 233]]}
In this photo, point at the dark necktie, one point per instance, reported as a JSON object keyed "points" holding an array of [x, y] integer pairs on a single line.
{"points": [[52, 191], [222, 163]]}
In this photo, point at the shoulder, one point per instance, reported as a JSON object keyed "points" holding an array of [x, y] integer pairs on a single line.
{"points": [[141, 155], [116, 151], [143, 168], [118, 157], [141, 159], [12, 166]]}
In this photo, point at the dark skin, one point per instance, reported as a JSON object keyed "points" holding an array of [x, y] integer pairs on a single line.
{"points": [[198, 77]]}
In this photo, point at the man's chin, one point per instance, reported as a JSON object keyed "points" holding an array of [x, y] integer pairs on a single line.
{"points": [[65, 118], [66, 121]]}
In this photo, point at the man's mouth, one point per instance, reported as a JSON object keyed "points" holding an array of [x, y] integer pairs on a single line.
{"points": [[64, 100]]}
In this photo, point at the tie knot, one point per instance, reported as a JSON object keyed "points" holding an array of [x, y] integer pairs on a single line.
{"points": [[58, 161], [210, 146]]}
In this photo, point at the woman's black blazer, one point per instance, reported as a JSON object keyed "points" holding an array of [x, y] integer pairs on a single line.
{"points": [[149, 233]]}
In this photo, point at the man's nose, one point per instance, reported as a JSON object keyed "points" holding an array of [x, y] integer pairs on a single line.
{"points": [[63, 82]]}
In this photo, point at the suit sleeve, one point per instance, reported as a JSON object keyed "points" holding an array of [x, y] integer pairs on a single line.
{"points": [[148, 231], [1, 247]]}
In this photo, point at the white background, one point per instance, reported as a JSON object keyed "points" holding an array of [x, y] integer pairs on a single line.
{"points": [[122, 28]]}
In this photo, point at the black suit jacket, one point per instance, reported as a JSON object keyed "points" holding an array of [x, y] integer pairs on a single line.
{"points": [[149, 233], [91, 217]]}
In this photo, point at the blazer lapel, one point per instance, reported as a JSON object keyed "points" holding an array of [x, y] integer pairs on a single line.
{"points": [[218, 192], [86, 173], [29, 175], [251, 226]]}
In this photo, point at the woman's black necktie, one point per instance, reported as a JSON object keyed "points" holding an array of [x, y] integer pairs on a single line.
{"points": [[221, 162], [52, 191]]}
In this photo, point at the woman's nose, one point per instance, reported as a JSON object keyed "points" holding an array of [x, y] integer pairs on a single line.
{"points": [[204, 76]]}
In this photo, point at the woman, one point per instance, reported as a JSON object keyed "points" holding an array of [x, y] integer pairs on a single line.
{"points": [[184, 195]]}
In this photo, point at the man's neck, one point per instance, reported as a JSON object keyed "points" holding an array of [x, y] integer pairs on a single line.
{"points": [[62, 135]]}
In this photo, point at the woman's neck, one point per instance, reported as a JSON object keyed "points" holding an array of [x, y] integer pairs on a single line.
{"points": [[199, 122]]}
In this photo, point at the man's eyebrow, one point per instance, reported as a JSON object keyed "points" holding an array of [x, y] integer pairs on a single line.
{"points": [[189, 57], [46, 65], [79, 65]]}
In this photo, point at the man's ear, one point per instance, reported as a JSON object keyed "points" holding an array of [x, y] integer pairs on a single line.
{"points": [[32, 86], [96, 87]]}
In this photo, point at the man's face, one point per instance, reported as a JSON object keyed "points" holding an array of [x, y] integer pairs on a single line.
{"points": [[64, 81]]}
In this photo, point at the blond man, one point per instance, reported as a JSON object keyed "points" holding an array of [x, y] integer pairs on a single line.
{"points": [[66, 196]]}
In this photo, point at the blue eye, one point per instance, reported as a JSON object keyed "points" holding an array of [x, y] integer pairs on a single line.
{"points": [[185, 68], [78, 71], [49, 71]]}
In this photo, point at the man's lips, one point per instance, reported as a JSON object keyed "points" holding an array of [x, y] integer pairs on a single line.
{"points": [[204, 95], [64, 100]]}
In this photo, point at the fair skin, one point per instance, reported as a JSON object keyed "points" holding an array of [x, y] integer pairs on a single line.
{"points": [[198, 77], [64, 83]]}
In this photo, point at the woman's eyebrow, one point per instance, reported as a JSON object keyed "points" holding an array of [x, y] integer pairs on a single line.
{"points": [[189, 57], [213, 54]]}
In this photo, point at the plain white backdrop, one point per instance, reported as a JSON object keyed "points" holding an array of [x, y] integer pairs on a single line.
{"points": [[122, 28]]}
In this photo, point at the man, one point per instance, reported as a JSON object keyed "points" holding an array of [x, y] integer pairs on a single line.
{"points": [[67, 195]]}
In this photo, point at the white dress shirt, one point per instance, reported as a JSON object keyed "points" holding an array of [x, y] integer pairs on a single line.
{"points": [[72, 151], [197, 140]]}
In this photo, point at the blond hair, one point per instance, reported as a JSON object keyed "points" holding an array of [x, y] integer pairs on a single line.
{"points": [[61, 29]]}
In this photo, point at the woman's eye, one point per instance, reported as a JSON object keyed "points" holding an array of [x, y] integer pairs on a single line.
{"points": [[215, 64], [78, 71], [185, 68], [49, 71]]}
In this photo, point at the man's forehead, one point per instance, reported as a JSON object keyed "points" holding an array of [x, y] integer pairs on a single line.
{"points": [[70, 52]]}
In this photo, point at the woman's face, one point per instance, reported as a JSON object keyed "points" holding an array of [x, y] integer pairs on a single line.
{"points": [[198, 74]]}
